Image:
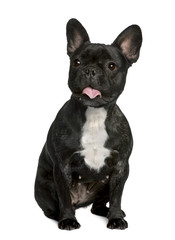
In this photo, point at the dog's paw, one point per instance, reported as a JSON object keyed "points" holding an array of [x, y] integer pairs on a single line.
{"points": [[68, 224], [118, 223]]}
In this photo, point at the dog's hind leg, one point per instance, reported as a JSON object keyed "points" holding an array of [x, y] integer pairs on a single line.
{"points": [[99, 206], [102, 210], [45, 193]]}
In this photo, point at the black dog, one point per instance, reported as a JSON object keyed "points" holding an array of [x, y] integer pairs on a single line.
{"points": [[85, 158]]}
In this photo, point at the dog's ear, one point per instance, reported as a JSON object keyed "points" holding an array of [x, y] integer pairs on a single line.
{"points": [[129, 42], [76, 35]]}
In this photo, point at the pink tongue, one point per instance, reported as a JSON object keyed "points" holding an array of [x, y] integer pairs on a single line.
{"points": [[91, 93]]}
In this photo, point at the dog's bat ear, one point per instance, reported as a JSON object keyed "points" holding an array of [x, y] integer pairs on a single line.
{"points": [[76, 35], [129, 42]]}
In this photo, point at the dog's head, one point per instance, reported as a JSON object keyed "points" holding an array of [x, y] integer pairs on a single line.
{"points": [[98, 72]]}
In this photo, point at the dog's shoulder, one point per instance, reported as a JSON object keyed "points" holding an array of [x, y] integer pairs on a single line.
{"points": [[67, 126], [115, 115], [117, 125]]}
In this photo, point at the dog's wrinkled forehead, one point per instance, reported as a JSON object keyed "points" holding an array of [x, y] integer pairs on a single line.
{"points": [[98, 53], [95, 51]]}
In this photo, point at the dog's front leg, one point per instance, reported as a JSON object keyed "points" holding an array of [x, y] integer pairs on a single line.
{"points": [[67, 218], [116, 216]]}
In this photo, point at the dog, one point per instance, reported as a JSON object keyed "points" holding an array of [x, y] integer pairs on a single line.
{"points": [[85, 158]]}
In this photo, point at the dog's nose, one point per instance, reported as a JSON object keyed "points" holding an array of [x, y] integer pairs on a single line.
{"points": [[90, 72]]}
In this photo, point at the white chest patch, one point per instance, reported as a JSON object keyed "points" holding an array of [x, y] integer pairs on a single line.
{"points": [[94, 136]]}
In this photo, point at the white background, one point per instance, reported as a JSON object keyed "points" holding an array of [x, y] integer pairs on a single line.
{"points": [[33, 79]]}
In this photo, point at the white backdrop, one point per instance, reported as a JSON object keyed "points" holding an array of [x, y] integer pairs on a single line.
{"points": [[33, 78]]}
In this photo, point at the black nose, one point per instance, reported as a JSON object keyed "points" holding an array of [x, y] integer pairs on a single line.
{"points": [[90, 72]]}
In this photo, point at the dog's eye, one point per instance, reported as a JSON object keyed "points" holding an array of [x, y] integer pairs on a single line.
{"points": [[112, 66], [76, 63]]}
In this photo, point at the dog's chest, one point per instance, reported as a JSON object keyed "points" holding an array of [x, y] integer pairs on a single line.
{"points": [[93, 138]]}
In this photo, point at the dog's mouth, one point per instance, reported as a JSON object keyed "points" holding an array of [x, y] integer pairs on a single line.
{"points": [[91, 92], [90, 96]]}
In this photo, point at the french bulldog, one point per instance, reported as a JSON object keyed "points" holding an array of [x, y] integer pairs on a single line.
{"points": [[85, 158]]}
